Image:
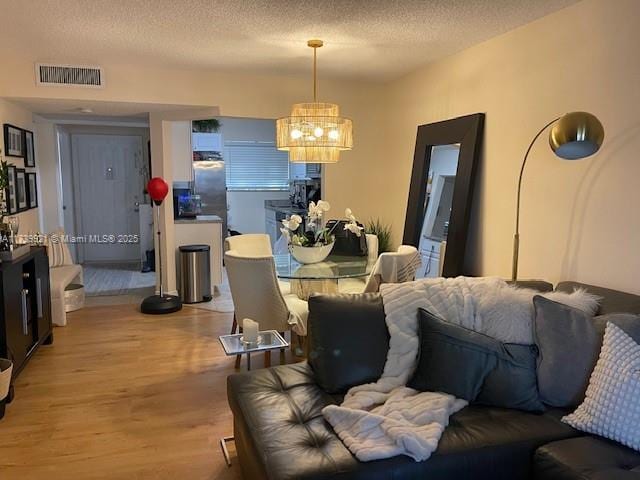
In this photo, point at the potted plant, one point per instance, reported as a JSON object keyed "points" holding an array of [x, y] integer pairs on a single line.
{"points": [[383, 232], [310, 242], [211, 125], [6, 368]]}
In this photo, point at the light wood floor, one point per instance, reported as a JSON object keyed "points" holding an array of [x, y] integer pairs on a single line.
{"points": [[121, 395]]}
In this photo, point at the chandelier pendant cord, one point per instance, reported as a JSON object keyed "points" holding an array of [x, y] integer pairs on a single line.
{"points": [[315, 78]]}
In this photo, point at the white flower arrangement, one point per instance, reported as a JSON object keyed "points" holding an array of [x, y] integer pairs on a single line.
{"points": [[352, 226], [312, 235]]}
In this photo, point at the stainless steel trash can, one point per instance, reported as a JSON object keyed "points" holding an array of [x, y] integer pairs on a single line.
{"points": [[195, 273]]}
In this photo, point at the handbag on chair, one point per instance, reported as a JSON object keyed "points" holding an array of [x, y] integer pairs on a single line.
{"points": [[347, 243]]}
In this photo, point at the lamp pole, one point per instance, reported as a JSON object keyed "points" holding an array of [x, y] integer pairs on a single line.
{"points": [[516, 235]]}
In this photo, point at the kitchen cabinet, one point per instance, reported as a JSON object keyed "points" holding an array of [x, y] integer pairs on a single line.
{"points": [[271, 226], [204, 230], [206, 142], [432, 254]]}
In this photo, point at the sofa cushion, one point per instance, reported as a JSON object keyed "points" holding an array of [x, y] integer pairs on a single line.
{"points": [[474, 366], [586, 458], [452, 359], [281, 434], [348, 340], [612, 301], [569, 341], [611, 407]]}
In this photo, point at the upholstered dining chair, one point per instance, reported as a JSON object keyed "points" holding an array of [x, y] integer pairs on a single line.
{"points": [[249, 244], [356, 285], [372, 246], [257, 295], [254, 245], [391, 267]]}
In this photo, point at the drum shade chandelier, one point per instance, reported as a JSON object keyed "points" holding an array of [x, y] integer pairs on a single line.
{"points": [[314, 132]]}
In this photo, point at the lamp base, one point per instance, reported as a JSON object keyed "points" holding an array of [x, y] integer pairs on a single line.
{"points": [[158, 305]]}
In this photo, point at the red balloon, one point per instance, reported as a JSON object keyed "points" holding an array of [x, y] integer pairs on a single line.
{"points": [[157, 189]]}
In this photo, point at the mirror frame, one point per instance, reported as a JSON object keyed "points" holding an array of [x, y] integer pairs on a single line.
{"points": [[468, 132]]}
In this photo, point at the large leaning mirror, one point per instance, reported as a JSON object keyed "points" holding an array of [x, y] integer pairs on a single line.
{"points": [[440, 194]]}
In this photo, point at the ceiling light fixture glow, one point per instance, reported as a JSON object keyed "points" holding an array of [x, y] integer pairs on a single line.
{"points": [[302, 133]]}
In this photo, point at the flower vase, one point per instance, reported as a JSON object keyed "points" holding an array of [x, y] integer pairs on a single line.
{"points": [[308, 255]]}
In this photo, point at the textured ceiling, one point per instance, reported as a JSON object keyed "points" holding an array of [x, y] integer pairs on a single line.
{"points": [[375, 39]]}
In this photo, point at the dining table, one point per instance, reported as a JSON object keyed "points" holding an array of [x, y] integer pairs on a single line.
{"points": [[321, 277]]}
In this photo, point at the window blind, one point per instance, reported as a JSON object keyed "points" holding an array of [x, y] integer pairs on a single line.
{"points": [[256, 167]]}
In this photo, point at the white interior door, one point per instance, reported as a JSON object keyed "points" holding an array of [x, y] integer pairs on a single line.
{"points": [[107, 191]]}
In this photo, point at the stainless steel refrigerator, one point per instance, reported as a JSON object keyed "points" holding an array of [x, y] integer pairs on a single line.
{"points": [[210, 183]]}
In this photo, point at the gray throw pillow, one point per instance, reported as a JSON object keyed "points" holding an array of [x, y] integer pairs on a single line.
{"points": [[474, 366], [569, 342]]}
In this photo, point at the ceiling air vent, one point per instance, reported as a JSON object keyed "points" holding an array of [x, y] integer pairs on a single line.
{"points": [[69, 76]]}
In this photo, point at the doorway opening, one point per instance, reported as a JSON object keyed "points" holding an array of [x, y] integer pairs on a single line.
{"points": [[107, 215]]}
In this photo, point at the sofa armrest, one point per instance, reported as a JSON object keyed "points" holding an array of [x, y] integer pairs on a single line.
{"points": [[348, 339]]}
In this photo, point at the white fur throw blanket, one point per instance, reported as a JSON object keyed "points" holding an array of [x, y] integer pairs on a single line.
{"points": [[386, 418]]}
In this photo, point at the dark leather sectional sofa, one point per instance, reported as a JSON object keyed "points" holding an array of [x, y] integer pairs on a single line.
{"points": [[280, 432]]}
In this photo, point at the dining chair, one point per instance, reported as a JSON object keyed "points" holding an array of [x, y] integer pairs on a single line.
{"points": [[372, 246], [254, 245], [356, 285], [257, 295], [391, 267], [249, 244], [394, 267]]}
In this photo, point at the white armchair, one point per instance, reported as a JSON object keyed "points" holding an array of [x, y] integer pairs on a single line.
{"points": [[62, 272]]}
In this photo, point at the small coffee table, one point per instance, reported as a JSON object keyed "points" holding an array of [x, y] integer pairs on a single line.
{"points": [[233, 345], [267, 340]]}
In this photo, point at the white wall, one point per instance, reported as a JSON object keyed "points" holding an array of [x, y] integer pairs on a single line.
{"points": [[18, 116], [50, 176], [580, 219]]}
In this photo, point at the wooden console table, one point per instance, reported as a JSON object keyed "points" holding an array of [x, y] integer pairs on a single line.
{"points": [[25, 310]]}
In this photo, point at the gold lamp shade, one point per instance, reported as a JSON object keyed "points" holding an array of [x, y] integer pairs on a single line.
{"points": [[314, 132], [576, 135]]}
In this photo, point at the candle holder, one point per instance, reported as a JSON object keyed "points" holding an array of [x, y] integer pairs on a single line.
{"points": [[251, 344]]}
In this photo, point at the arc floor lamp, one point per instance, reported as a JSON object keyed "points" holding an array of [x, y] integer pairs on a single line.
{"points": [[574, 136]]}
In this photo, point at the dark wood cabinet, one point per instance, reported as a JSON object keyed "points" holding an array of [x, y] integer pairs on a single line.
{"points": [[25, 310]]}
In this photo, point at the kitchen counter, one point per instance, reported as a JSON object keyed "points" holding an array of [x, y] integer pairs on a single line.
{"points": [[283, 206], [199, 219], [205, 230]]}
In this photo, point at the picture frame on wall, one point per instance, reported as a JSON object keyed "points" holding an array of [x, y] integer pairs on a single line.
{"points": [[21, 190], [32, 190], [29, 149], [13, 141], [10, 192]]}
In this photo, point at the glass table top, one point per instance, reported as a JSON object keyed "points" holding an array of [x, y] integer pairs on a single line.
{"points": [[333, 268], [267, 340]]}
